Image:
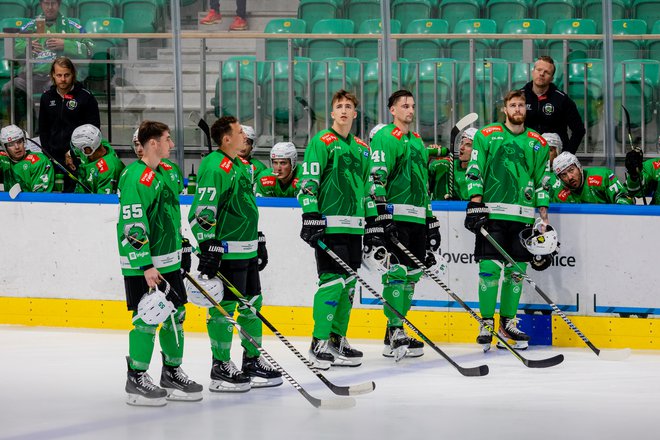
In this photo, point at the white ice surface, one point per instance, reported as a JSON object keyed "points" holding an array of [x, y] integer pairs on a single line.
{"points": [[64, 383]]}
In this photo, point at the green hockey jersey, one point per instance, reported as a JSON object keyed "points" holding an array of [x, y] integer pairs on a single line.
{"points": [[599, 185], [399, 168], [648, 185], [507, 170], [335, 181], [102, 175], [34, 173], [224, 207], [267, 184], [149, 226], [439, 179]]}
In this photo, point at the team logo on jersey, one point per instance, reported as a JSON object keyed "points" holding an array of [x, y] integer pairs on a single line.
{"points": [[136, 235], [102, 165], [226, 164], [595, 181], [548, 108], [166, 167], [538, 137], [361, 142], [32, 158], [72, 104], [486, 131], [397, 133], [563, 195], [147, 177], [268, 180], [205, 216], [328, 138]]}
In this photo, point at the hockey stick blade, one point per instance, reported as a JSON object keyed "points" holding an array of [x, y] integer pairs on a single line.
{"points": [[461, 125], [544, 363], [15, 191], [343, 403], [196, 118], [614, 355]]}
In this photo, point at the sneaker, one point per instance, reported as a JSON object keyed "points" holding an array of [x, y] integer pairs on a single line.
{"points": [[485, 337], [396, 343], [178, 386], [514, 336], [319, 354], [211, 18], [261, 373], [141, 390], [239, 24], [345, 355], [226, 378]]}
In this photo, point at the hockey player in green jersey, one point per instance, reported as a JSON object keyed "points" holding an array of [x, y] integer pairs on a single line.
{"points": [[149, 238], [439, 171], [224, 219], [101, 167], [282, 179], [551, 182], [587, 185], [643, 175], [505, 185], [170, 168], [333, 196], [32, 171], [257, 166], [399, 169]]}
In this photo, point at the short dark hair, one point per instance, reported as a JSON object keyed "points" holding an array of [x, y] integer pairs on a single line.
{"points": [[549, 60], [344, 94], [151, 130], [514, 94], [221, 128], [394, 97], [65, 63]]}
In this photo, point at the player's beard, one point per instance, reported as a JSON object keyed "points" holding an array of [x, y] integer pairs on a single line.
{"points": [[516, 119]]}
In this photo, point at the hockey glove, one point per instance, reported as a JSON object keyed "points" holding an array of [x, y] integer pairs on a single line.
{"points": [[385, 220], [210, 258], [430, 260], [262, 252], [433, 238], [476, 216], [374, 235], [313, 228], [541, 262], [634, 159], [186, 252]]}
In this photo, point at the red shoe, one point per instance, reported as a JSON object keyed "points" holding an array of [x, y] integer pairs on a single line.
{"points": [[239, 24], [211, 18]]}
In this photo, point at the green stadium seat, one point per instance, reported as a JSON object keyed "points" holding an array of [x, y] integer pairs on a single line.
{"points": [[280, 48], [503, 11], [88, 9], [361, 10], [628, 49], [456, 10], [313, 11], [238, 77], [321, 49], [594, 9], [491, 84], [15, 8], [416, 50], [642, 79], [582, 26], [512, 49], [589, 72], [653, 46], [406, 11], [276, 81], [104, 48], [437, 77], [140, 16], [364, 49], [337, 73], [459, 49], [552, 10], [372, 86], [647, 10]]}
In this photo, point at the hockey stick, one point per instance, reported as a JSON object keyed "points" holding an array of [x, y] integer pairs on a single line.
{"points": [[542, 363], [14, 191], [461, 125], [611, 355], [336, 403], [62, 167], [201, 123], [354, 390], [632, 145], [481, 370]]}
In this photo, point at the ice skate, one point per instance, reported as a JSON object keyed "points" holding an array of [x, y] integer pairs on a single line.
{"points": [[178, 386], [261, 373], [485, 338], [319, 354], [515, 337], [344, 354], [141, 389], [396, 343], [226, 378]]}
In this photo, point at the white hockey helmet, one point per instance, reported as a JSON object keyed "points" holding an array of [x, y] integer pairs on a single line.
{"points": [[469, 133], [553, 140], [249, 132], [154, 307], [376, 259], [375, 130], [135, 136], [284, 150], [11, 133], [213, 287], [86, 138], [537, 242], [563, 161]]}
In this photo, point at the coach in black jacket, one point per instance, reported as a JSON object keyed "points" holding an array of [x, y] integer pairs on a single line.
{"points": [[65, 106], [549, 110]]}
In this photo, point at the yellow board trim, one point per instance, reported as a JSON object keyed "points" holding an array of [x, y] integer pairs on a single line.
{"points": [[442, 327]]}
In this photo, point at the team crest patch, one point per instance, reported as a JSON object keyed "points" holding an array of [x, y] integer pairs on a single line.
{"points": [[268, 180], [33, 158], [147, 177], [397, 133], [563, 194], [548, 109], [226, 164], [102, 166], [72, 104], [490, 130], [595, 181], [328, 138]]}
